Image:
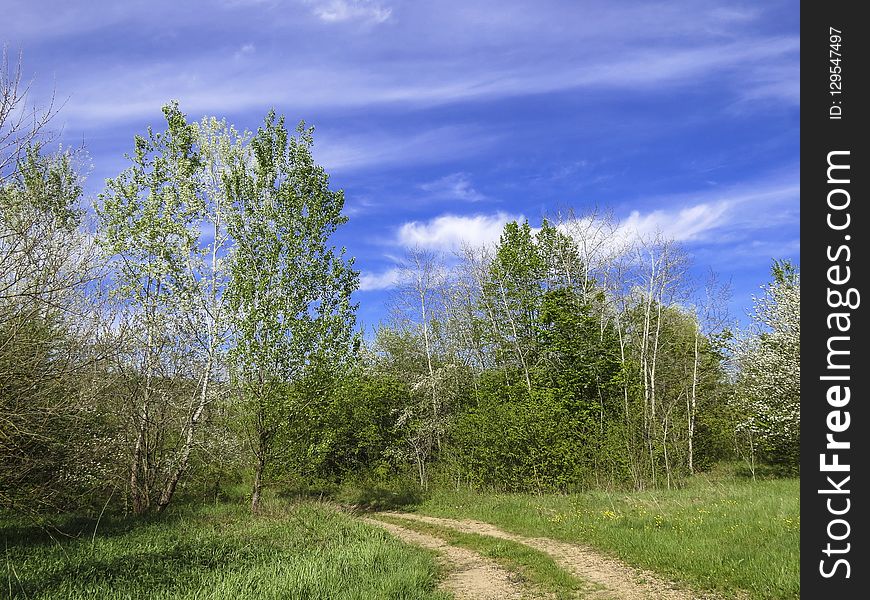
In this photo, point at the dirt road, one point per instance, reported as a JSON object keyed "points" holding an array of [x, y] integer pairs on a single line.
{"points": [[469, 575], [612, 579]]}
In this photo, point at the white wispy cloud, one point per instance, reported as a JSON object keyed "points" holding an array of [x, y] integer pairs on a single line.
{"points": [[380, 281], [748, 253], [707, 217], [740, 217], [449, 232], [772, 83], [338, 152], [456, 186], [753, 70], [244, 51], [685, 224], [336, 11], [735, 215], [248, 3], [59, 18]]}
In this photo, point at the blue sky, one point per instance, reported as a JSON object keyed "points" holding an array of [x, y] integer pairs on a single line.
{"points": [[441, 120]]}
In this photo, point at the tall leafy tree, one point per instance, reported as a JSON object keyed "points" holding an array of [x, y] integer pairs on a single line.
{"points": [[205, 323], [149, 219], [513, 288], [290, 288]]}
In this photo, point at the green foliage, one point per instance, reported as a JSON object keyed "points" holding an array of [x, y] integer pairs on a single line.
{"points": [[540, 420], [511, 293], [46, 346], [714, 429], [516, 440], [580, 356], [351, 429], [44, 190], [149, 220], [147, 215], [289, 290], [37, 422], [534, 377]]}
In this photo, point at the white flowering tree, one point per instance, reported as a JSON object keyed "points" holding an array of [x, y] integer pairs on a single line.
{"points": [[768, 359]]}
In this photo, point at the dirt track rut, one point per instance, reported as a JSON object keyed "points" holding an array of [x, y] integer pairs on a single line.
{"points": [[615, 580], [470, 576]]}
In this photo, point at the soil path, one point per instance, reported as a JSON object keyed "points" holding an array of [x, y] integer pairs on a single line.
{"points": [[470, 576], [615, 580]]}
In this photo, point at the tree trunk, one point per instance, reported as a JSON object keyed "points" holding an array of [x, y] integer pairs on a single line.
{"points": [[138, 497], [421, 469], [665, 448], [633, 463], [432, 386], [184, 454], [517, 346], [258, 481], [693, 400], [652, 388], [138, 503]]}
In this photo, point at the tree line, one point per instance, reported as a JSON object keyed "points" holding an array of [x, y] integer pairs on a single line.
{"points": [[196, 330]]}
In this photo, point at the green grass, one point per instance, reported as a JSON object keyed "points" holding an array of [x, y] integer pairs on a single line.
{"points": [[306, 550], [717, 533], [533, 566]]}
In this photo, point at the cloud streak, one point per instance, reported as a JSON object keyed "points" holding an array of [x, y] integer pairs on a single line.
{"points": [[720, 215], [337, 11], [342, 153], [115, 88], [369, 282], [449, 232], [456, 186], [686, 224], [713, 218]]}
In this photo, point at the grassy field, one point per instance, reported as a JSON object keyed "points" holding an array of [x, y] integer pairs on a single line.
{"points": [[294, 551], [719, 533]]}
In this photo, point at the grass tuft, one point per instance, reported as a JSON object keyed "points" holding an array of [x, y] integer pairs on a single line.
{"points": [[305, 550]]}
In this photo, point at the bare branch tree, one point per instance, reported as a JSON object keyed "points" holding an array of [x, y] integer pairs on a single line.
{"points": [[22, 125]]}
